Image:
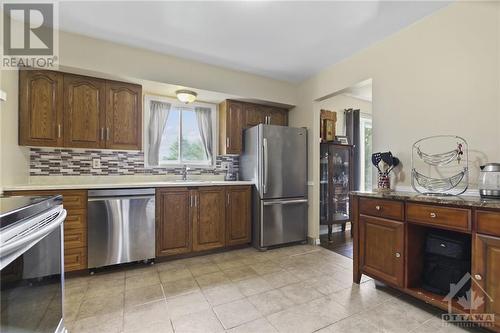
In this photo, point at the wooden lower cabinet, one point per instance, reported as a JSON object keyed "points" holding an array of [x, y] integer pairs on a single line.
{"points": [[239, 215], [173, 221], [201, 219], [381, 249], [486, 269], [209, 218]]}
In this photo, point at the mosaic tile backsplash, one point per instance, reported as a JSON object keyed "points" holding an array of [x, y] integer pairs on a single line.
{"points": [[69, 162]]}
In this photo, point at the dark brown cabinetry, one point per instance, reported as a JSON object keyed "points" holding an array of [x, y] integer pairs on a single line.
{"points": [[485, 272], [390, 237], [40, 108], [381, 254], [66, 110], [173, 221], [201, 219], [84, 111], [235, 116], [238, 226], [123, 115], [209, 218]]}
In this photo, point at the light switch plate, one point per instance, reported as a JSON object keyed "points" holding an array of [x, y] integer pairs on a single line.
{"points": [[96, 163], [224, 165]]}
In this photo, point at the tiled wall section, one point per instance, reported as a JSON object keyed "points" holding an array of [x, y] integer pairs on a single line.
{"points": [[68, 162]]}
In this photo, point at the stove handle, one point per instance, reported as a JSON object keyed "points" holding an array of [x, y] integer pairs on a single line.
{"points": [[32, 238]]}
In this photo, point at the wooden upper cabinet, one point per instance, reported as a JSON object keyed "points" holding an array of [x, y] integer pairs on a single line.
{"points": [[66, 110], [231, 124], [254, 115], [238, 215], [84, 111], [209, 218], [235, 116], [40, 108], [486, 269], [123, 116], [381, 252], [173, 221]]}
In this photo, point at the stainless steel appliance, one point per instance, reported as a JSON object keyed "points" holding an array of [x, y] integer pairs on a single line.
{"points": [[275, 158], [489, 181], [121, 226], [31, 263]]}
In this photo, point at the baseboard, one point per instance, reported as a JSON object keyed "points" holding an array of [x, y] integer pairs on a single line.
{"points": [[313, 241]]}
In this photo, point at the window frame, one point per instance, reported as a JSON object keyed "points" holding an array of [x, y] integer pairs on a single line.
{"points": [[176, 103]]}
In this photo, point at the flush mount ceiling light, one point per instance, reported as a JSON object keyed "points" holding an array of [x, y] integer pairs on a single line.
{"points": [[186, 96]]}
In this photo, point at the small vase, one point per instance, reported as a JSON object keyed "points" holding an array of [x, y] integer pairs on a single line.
{"points": [[384, 182]]}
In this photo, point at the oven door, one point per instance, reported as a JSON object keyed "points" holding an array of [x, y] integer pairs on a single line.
{"points": [[32, 288]]}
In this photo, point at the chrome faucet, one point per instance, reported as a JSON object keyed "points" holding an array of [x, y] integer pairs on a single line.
{"points": [[185, 170]]}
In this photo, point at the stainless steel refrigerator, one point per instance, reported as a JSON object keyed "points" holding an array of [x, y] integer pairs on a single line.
{"points": [[275, 158]]}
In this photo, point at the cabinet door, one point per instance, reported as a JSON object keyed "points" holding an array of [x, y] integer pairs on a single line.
{"points": [[254, 115], [123, 116], [209, 219], [486, 270], [40, 108], [279, 117], [381, 249], [173, 221], [238, 215], [84, 112], [234, 128]]}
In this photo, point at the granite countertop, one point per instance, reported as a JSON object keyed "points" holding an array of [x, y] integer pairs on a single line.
{"points": [[116, 185], [454, 200]]}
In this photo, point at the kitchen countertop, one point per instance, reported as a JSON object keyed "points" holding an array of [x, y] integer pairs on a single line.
{"points": [[454, 200], [115, 185]]}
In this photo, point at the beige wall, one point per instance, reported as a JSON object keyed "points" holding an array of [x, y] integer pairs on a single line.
{"points": [[438, 76], [88, 55], [339, 103]]}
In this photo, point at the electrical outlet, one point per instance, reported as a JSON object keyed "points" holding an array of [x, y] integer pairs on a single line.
{"points": [[224, 165], [96, 163]]}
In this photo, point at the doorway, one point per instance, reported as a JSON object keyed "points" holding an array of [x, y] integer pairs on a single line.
{"points": [[344, 161]]}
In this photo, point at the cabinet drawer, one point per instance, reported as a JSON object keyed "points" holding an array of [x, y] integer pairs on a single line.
{"points": [[450, 218], [488, 222], [382, 208], [75, 259], [74, 201], [75, 238], [76, 219]]}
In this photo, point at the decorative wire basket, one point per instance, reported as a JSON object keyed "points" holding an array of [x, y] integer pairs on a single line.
{"points": [[437, 170]]}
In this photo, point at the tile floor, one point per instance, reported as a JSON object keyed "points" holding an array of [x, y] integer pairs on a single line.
{"points": [[293, 289]]}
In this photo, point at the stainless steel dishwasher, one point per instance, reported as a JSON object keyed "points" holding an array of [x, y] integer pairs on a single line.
{"points": [[121, 226]]}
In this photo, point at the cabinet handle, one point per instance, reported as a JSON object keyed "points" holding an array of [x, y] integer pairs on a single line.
{"points": [[196, 201], [227, 196], [190, 201], [59, 130], [398, 255], [378, 208], [107, 133], [433, 215], [478, 277], [102, 133], [227, 142]]}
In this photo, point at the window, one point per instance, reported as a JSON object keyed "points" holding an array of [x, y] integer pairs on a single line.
{"points": [[179, 134], [366, 134]]}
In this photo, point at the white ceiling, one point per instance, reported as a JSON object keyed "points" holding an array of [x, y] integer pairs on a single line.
{"points": [[283, 40]]}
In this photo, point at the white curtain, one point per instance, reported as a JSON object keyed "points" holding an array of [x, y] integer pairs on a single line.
{"points": [[204, 118], [158, 115]]}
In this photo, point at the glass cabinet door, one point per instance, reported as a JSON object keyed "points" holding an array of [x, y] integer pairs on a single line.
{"points": [[339, 182], [324, 175]]}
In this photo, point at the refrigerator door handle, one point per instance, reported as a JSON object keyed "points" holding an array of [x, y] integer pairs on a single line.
{"points": [[285, 202], [265, 164]]}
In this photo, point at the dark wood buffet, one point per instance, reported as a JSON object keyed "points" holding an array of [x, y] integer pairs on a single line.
{"points": [[389, 238]]}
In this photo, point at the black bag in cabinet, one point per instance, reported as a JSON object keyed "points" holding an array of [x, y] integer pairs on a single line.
{"points": [[447, 259]]}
